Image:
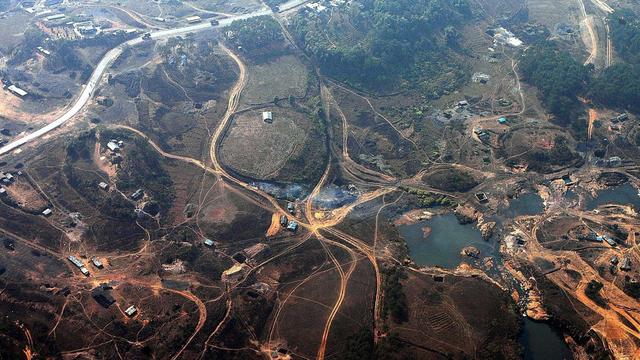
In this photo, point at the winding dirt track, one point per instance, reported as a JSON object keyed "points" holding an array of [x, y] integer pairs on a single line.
{"points": [[344, 280], [588, 22]]}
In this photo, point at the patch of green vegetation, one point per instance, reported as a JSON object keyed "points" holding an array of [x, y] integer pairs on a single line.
{"points": [[618, 85], [593, 292], [259, 37], [392, 348], [65, 55], [395, 300], [131, 81], [86, 182], [452, 180], [560, 155], [308, 165], [558, 76], [142, 168], [378, 44], [544, 161], [429, 199], [359, 345], [632, 289], [273, 3], [625, 33], [32, 39], [179, 251]]}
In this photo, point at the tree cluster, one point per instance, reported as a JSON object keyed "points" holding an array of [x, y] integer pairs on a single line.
{"points": [[619, 85], [395, 35], [395, 300], [256, 37], [557, 75]]}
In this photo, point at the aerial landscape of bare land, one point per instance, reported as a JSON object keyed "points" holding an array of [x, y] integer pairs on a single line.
{"points": [[320, 179]]}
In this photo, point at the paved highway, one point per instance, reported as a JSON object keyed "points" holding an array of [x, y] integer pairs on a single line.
{"points": [[113, 54]]}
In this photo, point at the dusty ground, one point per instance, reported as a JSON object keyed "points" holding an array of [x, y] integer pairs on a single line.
{"points": [[25, 195], [260, 149], [282, 77]]}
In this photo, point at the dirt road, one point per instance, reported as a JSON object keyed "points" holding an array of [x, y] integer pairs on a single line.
{"points": [[588, 22]]}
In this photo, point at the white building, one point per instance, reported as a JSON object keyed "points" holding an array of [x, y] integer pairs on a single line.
{"points": [[317, 7], [16, 90], [131, 311], [193, 19], [84, 271], [267, 116], [43, 51], [55, 17], [96, 262], [113, 146]]}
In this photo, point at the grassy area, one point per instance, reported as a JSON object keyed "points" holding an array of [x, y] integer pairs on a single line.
{"points": [[289, 149], [283, 77]]}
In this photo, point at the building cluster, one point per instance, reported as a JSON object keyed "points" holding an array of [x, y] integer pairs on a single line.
{"points": [[625, 265], [316, 6], [481, 134], [612, 162], [594, 237], [502, 36], [620, 118], [31, 6], [114, 147], [7, 179], [137, 195], [102, 295], [79, 264], [290, 225], [97, 263], [322, 6]]}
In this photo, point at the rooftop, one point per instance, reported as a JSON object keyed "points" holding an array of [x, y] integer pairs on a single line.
{"points": [[131, 310], [16, 90]]}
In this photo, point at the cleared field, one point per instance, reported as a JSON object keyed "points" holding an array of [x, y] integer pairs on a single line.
{"points": [[153, 8], [13, 31], [280, 78], [543, 149], [259, 149], [443, 320], [223, 6], [552, 12], [26, 196]]}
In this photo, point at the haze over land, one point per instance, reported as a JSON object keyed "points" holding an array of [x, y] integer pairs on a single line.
{"points": [[332, 179]]}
